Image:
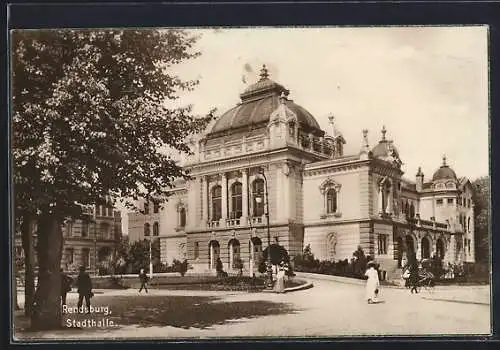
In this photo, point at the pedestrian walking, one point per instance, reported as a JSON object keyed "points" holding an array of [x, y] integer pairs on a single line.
{"points": [[66, 282], [84, 285], [143, 277], [413, 279], [372, 283]]}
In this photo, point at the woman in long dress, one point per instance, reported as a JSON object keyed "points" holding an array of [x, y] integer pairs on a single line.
{"points": [[279, 287], [372, 283]]}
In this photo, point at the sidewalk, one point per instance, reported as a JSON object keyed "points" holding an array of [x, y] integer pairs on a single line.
{"points": [[474, 294]]}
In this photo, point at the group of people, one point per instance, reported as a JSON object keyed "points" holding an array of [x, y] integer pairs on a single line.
{"points": [[83, 285], [410, 276]]}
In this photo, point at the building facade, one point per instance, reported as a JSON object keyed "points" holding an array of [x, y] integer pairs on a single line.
{"points": [[90, 241], [268, 150]]}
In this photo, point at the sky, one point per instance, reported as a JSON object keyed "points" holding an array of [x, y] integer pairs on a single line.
{"points": [[427, 85]]}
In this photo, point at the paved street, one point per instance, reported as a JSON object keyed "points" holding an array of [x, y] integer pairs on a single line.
{"points": [[329, 309]]}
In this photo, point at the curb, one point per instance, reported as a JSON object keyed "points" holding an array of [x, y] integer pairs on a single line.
{"points": [[458, 301]]}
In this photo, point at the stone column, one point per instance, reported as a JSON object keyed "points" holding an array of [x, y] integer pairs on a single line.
{"points": [[224, 199], [419, 247], [204, 217], [244, 197]]}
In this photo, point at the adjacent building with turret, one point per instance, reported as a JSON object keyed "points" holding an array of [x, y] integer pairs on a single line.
{"points": [[269, 152]]}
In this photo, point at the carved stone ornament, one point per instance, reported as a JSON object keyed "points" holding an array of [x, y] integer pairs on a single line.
{"points": [[328, 184]]}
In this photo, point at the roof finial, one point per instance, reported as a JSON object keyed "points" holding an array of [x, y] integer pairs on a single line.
{"points": [[264, 73], [444, 160], [383, 132], [283, 97], [331, 118]]}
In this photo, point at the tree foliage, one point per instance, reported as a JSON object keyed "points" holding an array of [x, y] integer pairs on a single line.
{"points": [[90, 117], [92, 121], [481, 199]]}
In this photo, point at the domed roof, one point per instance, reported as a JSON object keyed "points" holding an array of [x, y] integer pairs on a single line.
{"points": [[258, 101], [385, 148], [444, 172]]}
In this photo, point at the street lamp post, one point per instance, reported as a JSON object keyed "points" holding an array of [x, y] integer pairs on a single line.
{"points": [[150, 258], [95, 242], [269, 264]]}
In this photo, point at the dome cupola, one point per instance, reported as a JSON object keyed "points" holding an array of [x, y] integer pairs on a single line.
{"points": [[444, 173], [258, 101], [385, 149]]}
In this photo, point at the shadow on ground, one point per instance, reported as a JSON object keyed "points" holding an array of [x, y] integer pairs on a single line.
{"points": [[176, 311], [187, 311]]}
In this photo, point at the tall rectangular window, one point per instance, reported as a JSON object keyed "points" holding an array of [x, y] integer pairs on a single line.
{"points": [[382, 244], [196, 250], [86, 257], [85, 228]]}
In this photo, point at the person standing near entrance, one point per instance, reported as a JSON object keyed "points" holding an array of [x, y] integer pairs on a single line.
{"points": [[84, 285], [143, 277]]}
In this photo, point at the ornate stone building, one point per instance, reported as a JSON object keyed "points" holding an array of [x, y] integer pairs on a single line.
{"points": [[317, 195], [90, 241]]}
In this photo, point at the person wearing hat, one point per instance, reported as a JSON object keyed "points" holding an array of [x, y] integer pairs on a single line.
{"points": [[84, 285], [372, 283]]}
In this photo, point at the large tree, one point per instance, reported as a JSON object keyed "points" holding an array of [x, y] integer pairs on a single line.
{"points": [[91, 123], [481, 198]]}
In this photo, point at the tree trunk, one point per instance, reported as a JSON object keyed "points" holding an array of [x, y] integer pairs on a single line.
{"points": [[29, 280], [47, 310]]}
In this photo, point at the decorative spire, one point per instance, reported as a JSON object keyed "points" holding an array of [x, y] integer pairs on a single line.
{"points": [[365, 139], [365, 152], [331, 118], [419, 172], [264, 74], [444, 160], [283, 97], [383, 133]]}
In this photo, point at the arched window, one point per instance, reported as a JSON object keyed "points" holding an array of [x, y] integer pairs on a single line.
{"points": [[331, 201], [236, 200], [234, 253], [213, 253], [146, 229], [330, 190], [146, 207], [156, 207], [258, 192], [425, 248], [156, 229], [216, 203], [182, 217], [255, 249]]}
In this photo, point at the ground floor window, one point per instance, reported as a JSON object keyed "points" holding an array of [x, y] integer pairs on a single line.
{"points": [[382, 244], [196, 250], [86, 257]]}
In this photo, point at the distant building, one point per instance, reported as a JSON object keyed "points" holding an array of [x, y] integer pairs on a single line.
{"points": [[86, 241], [317, 194]]}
